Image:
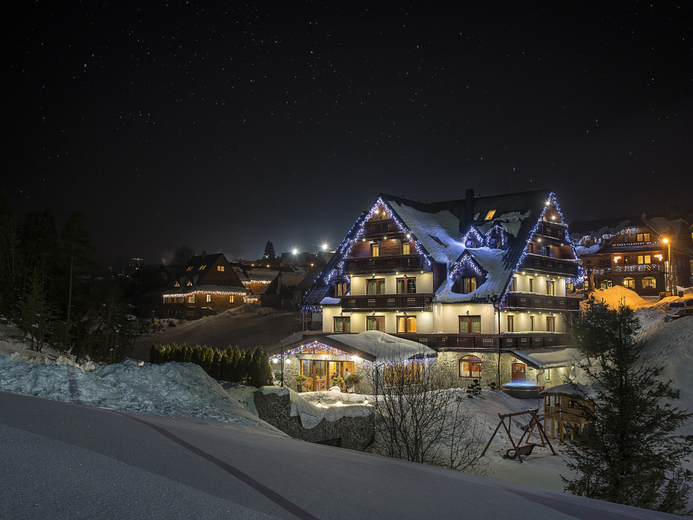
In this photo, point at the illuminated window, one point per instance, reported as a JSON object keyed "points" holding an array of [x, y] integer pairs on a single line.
{"points": [[406, 285], [467, 284], [191, 298], [605, 284], [642, 237], [375, 323], [406, 323], [341, 288], [342, 324], [649, 282], [644, 259], [470, 366], [176, 283], [629, 283], [203, 267], [189, 268], [406, 248], [375, 249], [209, 298], [470, 324], [231, 299], [490, 214], [220, 268], [188, 283], [375, 286], [518, 371]]}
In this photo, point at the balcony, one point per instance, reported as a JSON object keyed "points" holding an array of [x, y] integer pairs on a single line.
{"points": [[638, 268], [541, 301], [387, 302], [383, 264], [490, 342], [545, 264], [385, 227]]}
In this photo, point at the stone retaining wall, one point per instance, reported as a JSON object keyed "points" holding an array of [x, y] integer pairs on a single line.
{"points": [[354, 433]]}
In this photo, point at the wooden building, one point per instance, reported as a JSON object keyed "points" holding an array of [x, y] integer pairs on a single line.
{"points": [[648, 254], [474, 279], [208, 286], [567, 409]]}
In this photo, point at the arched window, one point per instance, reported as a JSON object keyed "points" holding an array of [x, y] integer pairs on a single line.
{"points": [[649, 282], [629, 283], [470, 366]]}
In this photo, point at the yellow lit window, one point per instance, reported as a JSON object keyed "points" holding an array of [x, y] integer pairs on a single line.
{"points": [[202, 267], [189, 268], [220, 268], [406, 248], [490, 214], [209, 298], [188, 283]]}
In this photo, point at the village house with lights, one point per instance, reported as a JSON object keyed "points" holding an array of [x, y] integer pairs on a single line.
{"points": [[208, 285], [648, 254], [483, 285]]}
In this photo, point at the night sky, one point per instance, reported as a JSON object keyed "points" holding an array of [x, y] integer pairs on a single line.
{"points": [[221, 125]]}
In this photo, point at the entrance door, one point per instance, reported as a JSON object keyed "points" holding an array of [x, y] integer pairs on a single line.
{"points": [[518, 370]]}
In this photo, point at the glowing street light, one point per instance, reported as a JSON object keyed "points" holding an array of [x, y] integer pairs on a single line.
{"points": [[325, 247], [294, 251], [669, 267]]}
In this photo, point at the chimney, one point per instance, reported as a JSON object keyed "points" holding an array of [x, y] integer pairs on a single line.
{"points": [[469, 205]]}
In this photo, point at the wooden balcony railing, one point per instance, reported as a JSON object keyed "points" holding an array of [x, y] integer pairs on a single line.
{"points": [[550, 265], [392, 302], [489, 342], [383, 264], [540, 301]]}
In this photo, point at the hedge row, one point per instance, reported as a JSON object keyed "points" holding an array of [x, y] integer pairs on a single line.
{"points": [[239, 366]]}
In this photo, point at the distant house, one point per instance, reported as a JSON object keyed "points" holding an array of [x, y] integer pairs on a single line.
{"points": [[207, 286], [634, 252], [255, 279], [480, 280]]}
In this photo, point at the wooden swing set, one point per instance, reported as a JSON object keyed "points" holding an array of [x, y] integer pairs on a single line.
{"points": [[517, 450]]}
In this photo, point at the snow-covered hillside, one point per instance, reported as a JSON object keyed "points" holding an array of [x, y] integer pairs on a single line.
{"points": [[184, 390]]}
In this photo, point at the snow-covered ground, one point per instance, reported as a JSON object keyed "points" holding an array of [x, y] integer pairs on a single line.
{"points": [[184, 390]]}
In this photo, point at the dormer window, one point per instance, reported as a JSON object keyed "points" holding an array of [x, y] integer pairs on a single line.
{"points": [[188, 283], [176, 283], [490, 214], [203, 267], [189, 268]]}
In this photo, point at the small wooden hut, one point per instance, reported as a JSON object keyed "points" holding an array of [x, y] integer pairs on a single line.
{"points": [[565, 409]]}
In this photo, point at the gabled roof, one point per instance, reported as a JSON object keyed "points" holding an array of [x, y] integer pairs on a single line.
{"points": [[199, 266], [440, 230]]}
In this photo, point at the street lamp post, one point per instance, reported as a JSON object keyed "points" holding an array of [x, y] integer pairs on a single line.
{"points": [[669, 273]]}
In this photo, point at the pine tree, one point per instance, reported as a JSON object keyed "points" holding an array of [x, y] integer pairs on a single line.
{"points": [[269, 251], [632, 454]]}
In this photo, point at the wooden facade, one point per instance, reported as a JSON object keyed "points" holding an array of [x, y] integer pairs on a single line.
{"points": [[208, 286]]}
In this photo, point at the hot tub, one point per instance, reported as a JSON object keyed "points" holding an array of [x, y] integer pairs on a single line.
{"points": [[522, 390]]}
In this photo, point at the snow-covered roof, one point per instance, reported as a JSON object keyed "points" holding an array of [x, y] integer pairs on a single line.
{"points": [[549, 358], [385, 348], [571, 390]]}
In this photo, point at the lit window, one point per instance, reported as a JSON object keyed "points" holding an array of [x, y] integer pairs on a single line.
{"points": [[518, 371], [220, 268], [176, 283], [470, 366], [406, 323], [375, 323], [188, 283], [342, 324], [375, 286], [209, 298], [644, 259], [189, 268], [406, 248], [470, 324], [629, 283], [490, 214], [191, 298], [231, 299], [375, 249], [341, 288], [406, 285], [467, 284], [649, 282]]}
